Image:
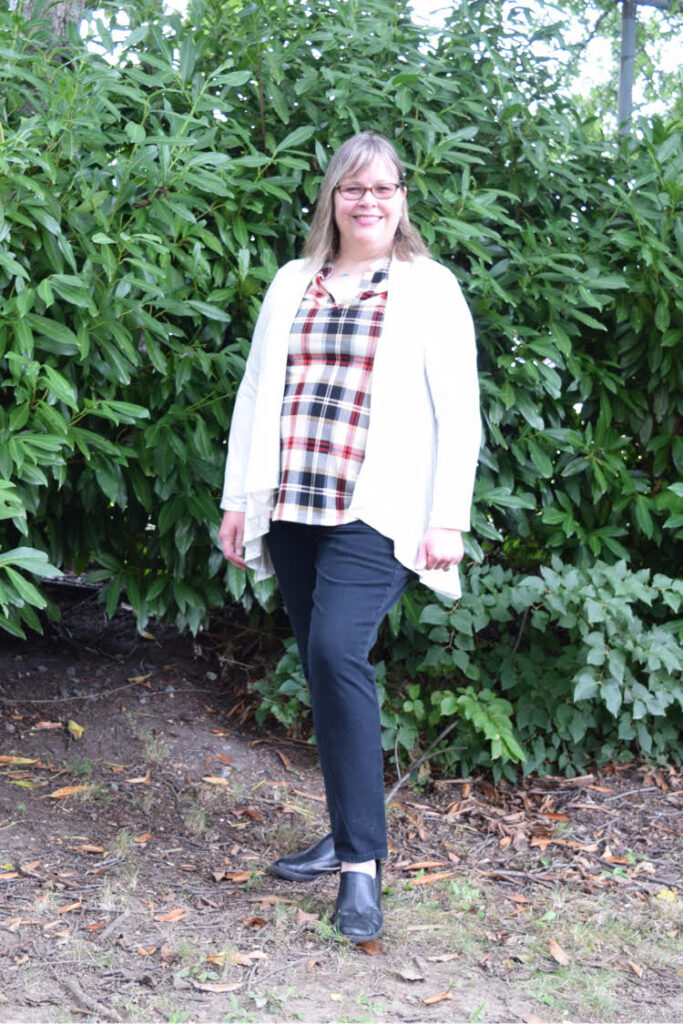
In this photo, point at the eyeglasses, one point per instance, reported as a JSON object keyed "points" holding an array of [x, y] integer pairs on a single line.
{"points": [[382, 190]]}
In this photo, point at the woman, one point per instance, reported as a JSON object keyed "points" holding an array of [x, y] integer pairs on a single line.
{"points": [[350, 470]]}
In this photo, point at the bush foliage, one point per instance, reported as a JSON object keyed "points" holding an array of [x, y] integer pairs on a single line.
{"points": [[562, 669], [147, 195]]}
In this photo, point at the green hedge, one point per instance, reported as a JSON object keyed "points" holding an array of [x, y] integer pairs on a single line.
{"points": [[553, 671]]}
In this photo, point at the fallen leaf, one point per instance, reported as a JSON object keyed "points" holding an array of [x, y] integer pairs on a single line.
{"points": [[254, 815], [533, 1019], [438, 997], [216, 986], [554, 816], [29, 867], [95, 927], [237, 876], [232, 957], [75, 729], [218, 959], [518, 898], [146, 950], [88, 848], [143, 838], [269, 900], [71, 906], [643, 867], [168, 956], [558, 954], [424, 865], [223, 757], [372, 947], [144, 779], [505, 841], [12, 759], [444, 958], [303, 919], [308, 796], [65, 791], [666, 895], [215, 780], [410, 974], [47, 725], [17, 922], [5, 876], [254, 922], [638, 971], [139, 679], [427, 879], [173, 915], [283, 757], [335, 997]]}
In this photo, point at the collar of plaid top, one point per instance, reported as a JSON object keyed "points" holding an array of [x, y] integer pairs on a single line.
{"points": [[372, 277]]}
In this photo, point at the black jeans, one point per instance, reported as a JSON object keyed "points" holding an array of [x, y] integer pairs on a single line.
{"points": [[338, 583]]}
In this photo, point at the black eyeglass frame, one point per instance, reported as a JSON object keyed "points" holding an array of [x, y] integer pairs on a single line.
{"points": [[396, 185]]}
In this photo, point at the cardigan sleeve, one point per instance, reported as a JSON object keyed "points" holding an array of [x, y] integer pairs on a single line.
{"points": [[451, 372], [243, 416]]}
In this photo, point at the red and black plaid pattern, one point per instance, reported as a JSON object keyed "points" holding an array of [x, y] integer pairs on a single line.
{"points": [[326, 405]]}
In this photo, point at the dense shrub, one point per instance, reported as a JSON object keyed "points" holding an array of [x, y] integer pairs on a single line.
{"points": [[555, 671]]}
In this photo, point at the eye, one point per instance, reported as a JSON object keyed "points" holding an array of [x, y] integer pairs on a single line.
{"points": [[351, 191], [384, 191]]}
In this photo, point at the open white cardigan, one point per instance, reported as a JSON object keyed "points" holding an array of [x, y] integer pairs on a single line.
{"points": [[424, 432]]}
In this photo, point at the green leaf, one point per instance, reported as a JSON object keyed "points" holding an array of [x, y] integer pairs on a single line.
{"points": [[60, 386], [296, 138]]}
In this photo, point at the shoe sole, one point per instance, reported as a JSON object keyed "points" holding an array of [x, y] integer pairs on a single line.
{"points": [[297, 876], [365, 938]]}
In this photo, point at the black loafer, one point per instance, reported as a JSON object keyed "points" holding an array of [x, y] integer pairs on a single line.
{"points": [[358, 912], [319, 859]]}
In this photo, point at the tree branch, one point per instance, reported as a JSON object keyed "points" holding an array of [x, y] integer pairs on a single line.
{"points": [[431, 749]]}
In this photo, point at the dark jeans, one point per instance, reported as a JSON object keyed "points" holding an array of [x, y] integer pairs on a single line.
{"points": [[338, 583]]}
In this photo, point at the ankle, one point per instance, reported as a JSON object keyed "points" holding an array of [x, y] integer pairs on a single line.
{"points": [[366, 867]]}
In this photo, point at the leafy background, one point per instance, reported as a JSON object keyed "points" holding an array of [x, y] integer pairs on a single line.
{"points": [[148, 193]]}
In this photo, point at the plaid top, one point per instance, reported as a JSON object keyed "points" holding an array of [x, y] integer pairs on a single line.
{"points": [[326, 404]]}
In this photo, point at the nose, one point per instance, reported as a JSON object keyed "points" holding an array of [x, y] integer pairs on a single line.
{"points": [[368, 192]]}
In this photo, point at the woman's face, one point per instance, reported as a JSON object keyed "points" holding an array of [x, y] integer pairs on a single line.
{"points": [[367, 226]]}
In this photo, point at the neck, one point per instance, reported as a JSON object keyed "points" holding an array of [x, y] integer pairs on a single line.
{"points": [[348, 263]]}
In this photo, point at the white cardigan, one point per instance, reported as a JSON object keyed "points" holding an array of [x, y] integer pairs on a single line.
{"points": [[424, 431]]}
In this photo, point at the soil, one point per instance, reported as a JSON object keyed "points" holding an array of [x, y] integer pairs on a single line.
{"points": [[140, 805]]}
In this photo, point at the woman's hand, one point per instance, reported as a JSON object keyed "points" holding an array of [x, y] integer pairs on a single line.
{"points": [[231, 535], [440, 549]]}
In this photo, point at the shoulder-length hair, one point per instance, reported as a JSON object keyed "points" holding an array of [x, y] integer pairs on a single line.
{"points": [[322, 244]]}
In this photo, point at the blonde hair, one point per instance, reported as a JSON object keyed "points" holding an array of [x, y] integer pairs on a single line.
{"points": [[322, 244]]}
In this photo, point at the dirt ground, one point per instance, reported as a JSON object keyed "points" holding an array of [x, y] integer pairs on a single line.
{"points": [[140, 805]]}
